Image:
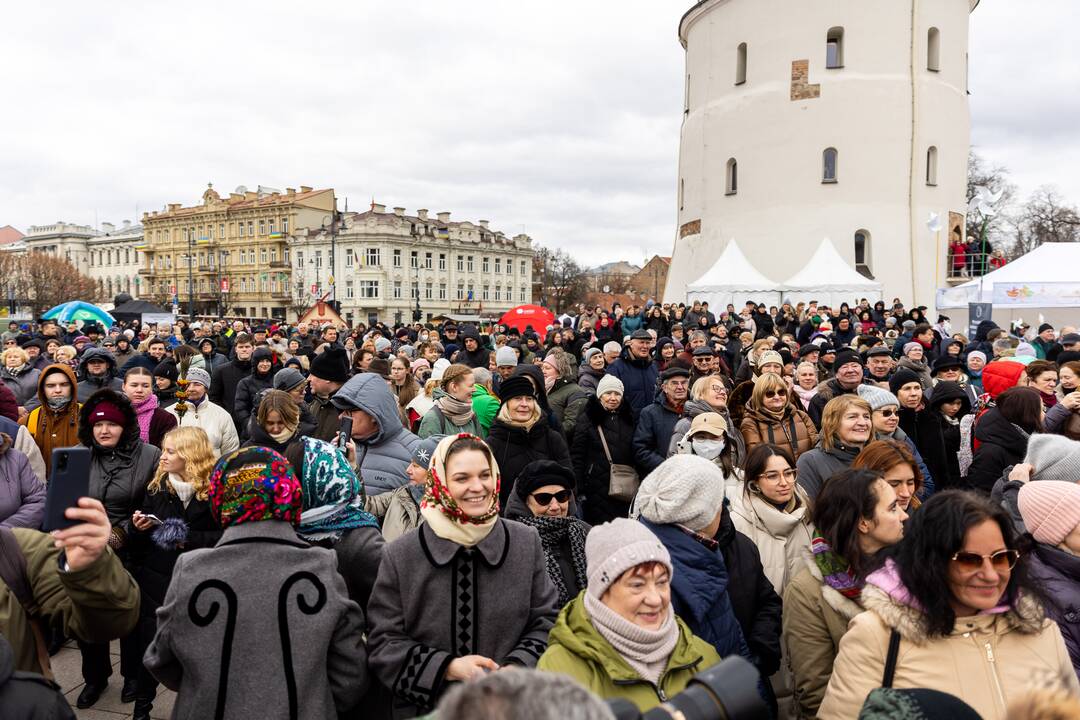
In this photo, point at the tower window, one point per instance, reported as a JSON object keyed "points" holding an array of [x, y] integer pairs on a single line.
{"points": [[740, 64], [686, 96], [732, 174], [682, 190], [931, 166], [933, 50], [834, 48], [862, 253], [828, 165]]}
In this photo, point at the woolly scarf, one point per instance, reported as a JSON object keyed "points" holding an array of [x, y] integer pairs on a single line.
{"points": [[183, 489], [553, 532], [144, 413], [333, 495], [835, 570], [504, 416], [646, 651], [805, 395], [284, 436], [1049, 399], [442, 513], [459, 412]]}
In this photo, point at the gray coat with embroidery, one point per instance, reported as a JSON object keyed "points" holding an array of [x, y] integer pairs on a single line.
{"points": [[435, 600]]}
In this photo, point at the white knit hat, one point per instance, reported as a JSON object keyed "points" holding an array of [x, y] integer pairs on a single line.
{"points": [[613, 548], [1054, 457], [684, 490], [609, 383], [439, 368], [505, 356]]}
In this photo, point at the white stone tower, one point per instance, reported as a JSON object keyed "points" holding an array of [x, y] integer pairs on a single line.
{"points": [[839, 119]]}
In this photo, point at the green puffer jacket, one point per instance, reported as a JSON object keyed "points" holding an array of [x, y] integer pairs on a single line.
{"points": [[577, 649], [486, 407]]}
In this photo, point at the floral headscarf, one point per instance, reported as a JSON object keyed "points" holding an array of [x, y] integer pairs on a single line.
{"points": [[253, 484], [441, 511]]}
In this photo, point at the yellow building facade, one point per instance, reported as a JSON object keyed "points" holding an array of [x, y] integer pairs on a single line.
{"points": [[228, 256]]}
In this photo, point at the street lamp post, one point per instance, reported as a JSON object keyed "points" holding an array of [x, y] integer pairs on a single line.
{"points": [[190, 280]]}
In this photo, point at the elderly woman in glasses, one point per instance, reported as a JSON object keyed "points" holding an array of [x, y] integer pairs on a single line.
{"points": [[772, 418], [952, 611]]}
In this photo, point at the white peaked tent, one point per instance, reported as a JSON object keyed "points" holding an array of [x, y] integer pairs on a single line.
{"points": [[1049, 268], [829, 279], [733, 280]]}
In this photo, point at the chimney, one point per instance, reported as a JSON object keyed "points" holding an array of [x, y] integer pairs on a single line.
{"points": [[399, 211], [422, 214], [444, 217], [305, 189], [484, 224], [127, 224], [108, 228], [291, 192], [376, 207], [146, 214], [173, 207]]}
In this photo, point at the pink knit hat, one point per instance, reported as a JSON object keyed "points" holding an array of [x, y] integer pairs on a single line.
{"points": [[1050, 509]]}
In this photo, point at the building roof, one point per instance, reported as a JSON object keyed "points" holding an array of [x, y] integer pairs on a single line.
{"points": [[248, 200], [9, 235]]}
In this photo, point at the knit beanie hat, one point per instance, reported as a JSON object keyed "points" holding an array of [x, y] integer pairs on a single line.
{"points": [[331, 365], [425, 449], [769, 356], [167, 369], [877, 397], [1025, 350], [539, 473], [902, 377], [288, 378], [844, 357], [516, 386], [200, 376], [908, 347], [1054, 457], [613, 548], [999, 376], [253, 484], [382, 344], [591, 352], [609, 383], [1044, 327], [683, 490], [977, 354], [1050, 509], [107, 411], [439, 368], [923, 703], [505, 356]]}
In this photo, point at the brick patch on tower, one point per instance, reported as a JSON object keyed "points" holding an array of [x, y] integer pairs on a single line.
{"points": [[691, 228], [801, 89]]}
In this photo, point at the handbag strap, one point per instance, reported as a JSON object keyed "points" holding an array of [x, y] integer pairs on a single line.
{"points": [[890, 660], [603, 441]]}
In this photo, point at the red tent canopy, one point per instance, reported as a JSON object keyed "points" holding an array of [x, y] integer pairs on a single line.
{"points": [[523, 315]]}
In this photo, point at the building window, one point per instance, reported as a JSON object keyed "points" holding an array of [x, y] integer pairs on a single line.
{"points": [[732, 174], [460, 263], [369, 289], [740, 64], [485, 264], [427, 260], [397, 289], [862, 253], [442, 261], [521, 297], [262, 255], [262, 227], [470, 266], [933, 50], [414, 259], [461, 291], [349, 292], [931, 166], [486, 294], [241, 225], [498, 265], [509, 266], [397, 258], [442, 291], [251, 228], [828, 165], [348, 257], [270, 225], [284, 225], [523, 269], [221, 231], [498, 293], [834, 48], [300, 259], [372, 257], [428, 291], [318, 259]]}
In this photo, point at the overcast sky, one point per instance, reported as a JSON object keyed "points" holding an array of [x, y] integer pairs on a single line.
{"points": [[558, 118]]}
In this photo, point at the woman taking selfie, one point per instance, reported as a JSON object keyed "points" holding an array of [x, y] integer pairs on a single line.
{"points": [[418, 643], [954, 608]]}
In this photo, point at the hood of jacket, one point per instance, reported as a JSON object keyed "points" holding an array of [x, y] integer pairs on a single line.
{"points": [[261, 353], [994, 428], [96, 353], [130, 435], [575, 632], [49, 370], [886, 596], [369, 392], [945, 391], [983, 329]]}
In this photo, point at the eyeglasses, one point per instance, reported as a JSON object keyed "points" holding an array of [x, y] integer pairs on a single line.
{"points": [[774, 476], [888, 413], [1001, 560], [774, 393], [546, 498]]}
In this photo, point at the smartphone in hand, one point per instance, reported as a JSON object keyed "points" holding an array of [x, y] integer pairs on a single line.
{"points": [[344, 432], [69, 480]]}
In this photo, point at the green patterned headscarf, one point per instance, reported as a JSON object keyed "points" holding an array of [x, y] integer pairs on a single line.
{"points": [[333, 494]]}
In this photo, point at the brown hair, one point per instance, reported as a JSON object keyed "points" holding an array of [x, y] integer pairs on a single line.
{"points": [[282, 402], [884, 455], [1038, 367]]}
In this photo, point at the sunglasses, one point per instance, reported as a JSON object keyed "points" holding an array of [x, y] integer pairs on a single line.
{"points": [[888, 413], [546, 498], [774, 393], [1001, 560]]}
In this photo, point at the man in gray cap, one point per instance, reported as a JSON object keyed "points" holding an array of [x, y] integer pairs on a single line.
{"points": [[202, 413], [656, 423]]}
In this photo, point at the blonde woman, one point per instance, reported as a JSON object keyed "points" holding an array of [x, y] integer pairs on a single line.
{"points": [[175, 518], [846, 427], [19, 376]]}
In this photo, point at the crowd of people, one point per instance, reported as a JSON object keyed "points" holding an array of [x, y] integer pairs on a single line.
{"points": [[877, 512]]}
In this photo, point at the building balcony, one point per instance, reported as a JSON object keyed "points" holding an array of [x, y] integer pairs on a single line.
{"points": [[281, 295], [147, 272]]}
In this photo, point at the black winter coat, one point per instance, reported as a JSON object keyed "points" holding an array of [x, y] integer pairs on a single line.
{"points": [[924, 429], [515, 447], [655, 426], [225, 381], [1000, 444], [591, 467], [639, 378], [246, 392]]}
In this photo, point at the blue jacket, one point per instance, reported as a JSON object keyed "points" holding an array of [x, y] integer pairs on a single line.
{"points": [[652, 434], [699, 593], [639, 379]]}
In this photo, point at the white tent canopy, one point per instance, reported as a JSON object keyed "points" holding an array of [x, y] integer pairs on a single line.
{"points": [[829, 279], [733, 280], [1044, 277]]}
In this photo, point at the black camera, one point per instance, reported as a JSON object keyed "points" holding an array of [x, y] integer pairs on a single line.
{"points": [[726, 691]]}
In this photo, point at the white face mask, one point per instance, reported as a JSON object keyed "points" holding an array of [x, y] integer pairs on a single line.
{"points": [[706, 448]]}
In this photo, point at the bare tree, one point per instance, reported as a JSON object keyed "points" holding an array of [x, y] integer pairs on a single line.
{"points": [[1045, 217], [40, 281], [561, 281], [999, 228]]}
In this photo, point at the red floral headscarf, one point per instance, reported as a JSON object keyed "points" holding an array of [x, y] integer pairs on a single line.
{"points": [[252, 484]]}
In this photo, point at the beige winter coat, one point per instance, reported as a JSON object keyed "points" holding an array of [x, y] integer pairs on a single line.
{"points": [[815, 618], [782, 538], [396, 512], [987, 661]]}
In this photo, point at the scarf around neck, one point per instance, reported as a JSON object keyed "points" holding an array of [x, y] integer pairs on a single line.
{"points": [[183, 489], [144, 413], [442, 513], [835, 570], [459, 412], [554, 531], [646, 651]]}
